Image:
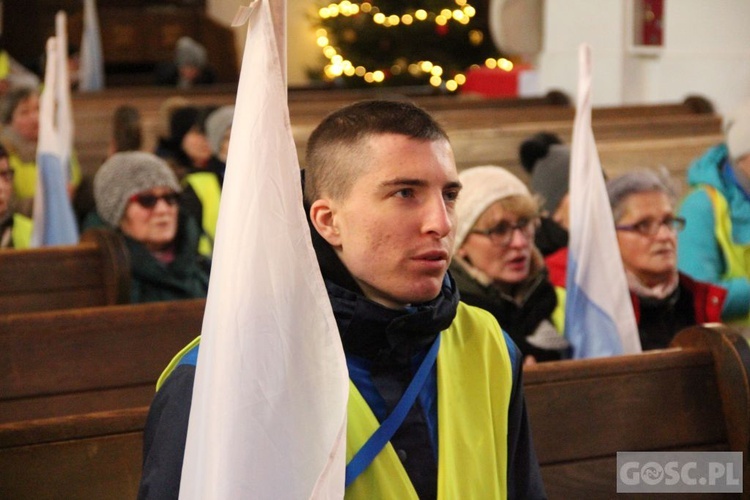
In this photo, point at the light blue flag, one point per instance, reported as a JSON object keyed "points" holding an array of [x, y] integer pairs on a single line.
{"points": [[599, 317], [54, 218], [91, 73]]}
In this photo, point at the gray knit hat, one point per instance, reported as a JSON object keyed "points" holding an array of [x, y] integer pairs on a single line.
{"points": [[737, 132], [482, 186], [217, 124], [125, 174], [190, 52], [551, 175]]}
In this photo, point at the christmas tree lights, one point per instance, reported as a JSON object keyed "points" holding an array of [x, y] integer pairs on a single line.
{"points": [[393, 42]]}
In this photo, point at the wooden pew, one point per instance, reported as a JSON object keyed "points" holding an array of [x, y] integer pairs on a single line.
{"points": [[694, 397], [92, 273], [71, 425], [75, 386]]}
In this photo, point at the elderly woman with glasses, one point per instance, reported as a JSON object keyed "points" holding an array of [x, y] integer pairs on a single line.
{"points": [[665, 300], [497, 266], [137, 193]]}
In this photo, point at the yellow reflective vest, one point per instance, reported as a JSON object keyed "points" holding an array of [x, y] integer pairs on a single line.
{"points": [[207, 189], [474, 382]]}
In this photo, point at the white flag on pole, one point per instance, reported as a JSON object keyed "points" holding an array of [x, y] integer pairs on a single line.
{"points": [[268, 417], [54, 219], [91, 72], [599, 317]]}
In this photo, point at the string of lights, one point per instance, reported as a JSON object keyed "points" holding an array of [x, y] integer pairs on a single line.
{"points": [[370, 16]]}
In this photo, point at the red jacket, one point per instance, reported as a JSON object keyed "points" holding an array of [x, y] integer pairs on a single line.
{"points": [[708, 300]]}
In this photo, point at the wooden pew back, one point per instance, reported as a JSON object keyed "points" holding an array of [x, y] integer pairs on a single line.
{"points": [[92, 273], [691, 398], [75, 387]]}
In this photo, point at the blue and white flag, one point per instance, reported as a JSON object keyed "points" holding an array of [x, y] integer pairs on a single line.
{"points": [[91, 72], [54, 218], [268, 415], [599, 317]]}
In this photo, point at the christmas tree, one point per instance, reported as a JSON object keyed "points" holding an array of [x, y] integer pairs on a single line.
{"points": [[402, 42]]}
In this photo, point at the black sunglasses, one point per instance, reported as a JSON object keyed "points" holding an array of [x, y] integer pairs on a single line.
{"points": [[147, 200]]}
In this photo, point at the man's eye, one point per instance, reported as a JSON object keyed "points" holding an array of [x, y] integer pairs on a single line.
{"points": [[451, 195], [405, 193]]}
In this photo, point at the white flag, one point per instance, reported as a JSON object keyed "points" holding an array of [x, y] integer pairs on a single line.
{"points": [[54, 219], [268, 417], [599, 317], [91, 72]]}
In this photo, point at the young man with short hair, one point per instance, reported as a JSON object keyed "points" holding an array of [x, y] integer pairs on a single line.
{"points": [[381, 186]]}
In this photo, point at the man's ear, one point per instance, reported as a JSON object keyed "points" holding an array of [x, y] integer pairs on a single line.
{"points": [[323, 218]]}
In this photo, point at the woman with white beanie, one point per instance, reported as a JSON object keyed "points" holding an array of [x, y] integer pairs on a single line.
{"points": [[497, 266], [137, 193], [715, 244]]}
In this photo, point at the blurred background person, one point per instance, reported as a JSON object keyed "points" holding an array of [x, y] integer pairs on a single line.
{"points": [[186, 148], [665, 301], [547, 160], [13, 74], [189, 68], [15, 228], [202, 186], [19, 114], [497, 266], [137, 194], [715, 245], [127, 130]]}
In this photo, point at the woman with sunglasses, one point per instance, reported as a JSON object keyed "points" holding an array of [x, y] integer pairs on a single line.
{"points": [[665, 300], [497, 266], [137, 194]]}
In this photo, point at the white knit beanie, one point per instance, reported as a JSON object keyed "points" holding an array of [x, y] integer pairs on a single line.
{"points": [[125, 174], [737, 132], [482, 186]]}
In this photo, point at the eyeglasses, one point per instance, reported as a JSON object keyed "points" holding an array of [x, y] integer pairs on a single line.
{"points": [[649, 227], [7, 175], [147, 200], [502, 234]]}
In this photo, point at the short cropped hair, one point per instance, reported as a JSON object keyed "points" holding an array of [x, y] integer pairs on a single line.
{"points": [[639, 181], [335, 148]]}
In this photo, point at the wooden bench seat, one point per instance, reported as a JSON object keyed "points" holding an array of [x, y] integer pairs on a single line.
{"points": [[75, 387], [693, 397], [94, 272]]}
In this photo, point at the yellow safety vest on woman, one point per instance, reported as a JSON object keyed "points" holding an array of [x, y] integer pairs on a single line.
{"points": [[474, 382]]}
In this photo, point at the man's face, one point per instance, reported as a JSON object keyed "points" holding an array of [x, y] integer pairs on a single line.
{"points": [[394, 231]]}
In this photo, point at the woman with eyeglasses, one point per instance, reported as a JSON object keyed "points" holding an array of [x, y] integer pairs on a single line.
{"points": [[137, 194], [665, 300], [497, 266]]}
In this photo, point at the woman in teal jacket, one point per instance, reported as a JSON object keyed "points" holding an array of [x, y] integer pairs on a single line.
{"points": [[715, 243]]}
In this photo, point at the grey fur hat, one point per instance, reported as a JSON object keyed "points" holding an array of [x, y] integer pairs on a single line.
{"points": [[190, 52], [550, 176], [125, 174], [217, 124]]}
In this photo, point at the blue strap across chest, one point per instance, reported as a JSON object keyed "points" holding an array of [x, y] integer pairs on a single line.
{"points": [[388, 428]]}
